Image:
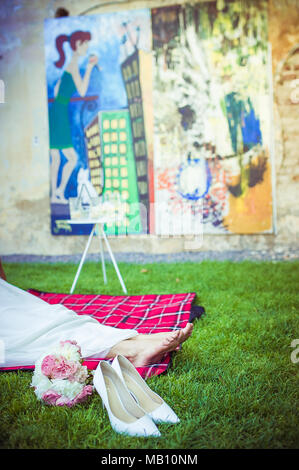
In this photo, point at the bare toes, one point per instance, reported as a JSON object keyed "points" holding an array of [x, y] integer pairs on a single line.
{"points": [[171, 340], [175, 334], [188, 329]]}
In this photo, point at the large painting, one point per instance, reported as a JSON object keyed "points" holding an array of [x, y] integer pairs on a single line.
{"points": [[212, 110], [169, 110], [99, 113]]}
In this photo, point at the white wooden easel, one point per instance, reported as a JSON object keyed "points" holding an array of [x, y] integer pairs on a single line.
{"points": [[102, 236]]}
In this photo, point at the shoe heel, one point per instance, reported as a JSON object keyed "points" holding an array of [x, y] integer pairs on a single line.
{"points": [[134, 396], [125, 416], [153, 405]]}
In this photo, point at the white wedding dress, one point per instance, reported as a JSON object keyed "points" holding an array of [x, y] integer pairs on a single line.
{"points": [[30, 326]]}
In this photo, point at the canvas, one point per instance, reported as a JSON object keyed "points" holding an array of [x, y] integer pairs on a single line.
{"points": [[213, 114], [99, 134]]}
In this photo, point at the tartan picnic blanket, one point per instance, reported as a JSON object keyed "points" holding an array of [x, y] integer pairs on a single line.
{"points": [[147, 314]]}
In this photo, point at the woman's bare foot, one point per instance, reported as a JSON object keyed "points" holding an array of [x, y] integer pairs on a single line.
{"points": [[143, 350]]}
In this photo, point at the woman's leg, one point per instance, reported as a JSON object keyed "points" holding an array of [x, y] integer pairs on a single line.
{"points": [[67, 170], [142, 350], [30, 326], [55, 164]]}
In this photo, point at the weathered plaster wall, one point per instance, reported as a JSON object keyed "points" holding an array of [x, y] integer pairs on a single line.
{"points": [[24, 158]]}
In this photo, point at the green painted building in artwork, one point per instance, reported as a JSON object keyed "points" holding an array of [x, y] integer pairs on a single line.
{"points": [[119, 170], [93, 150], [131, 72]]}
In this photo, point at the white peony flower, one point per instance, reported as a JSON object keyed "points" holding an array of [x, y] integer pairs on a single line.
{"points": [[38, 364], [69, 351], [41, 383], [66, 388], [82, 374]]}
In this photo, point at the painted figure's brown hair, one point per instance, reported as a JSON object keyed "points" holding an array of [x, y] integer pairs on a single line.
{"points": [[72, 39]]}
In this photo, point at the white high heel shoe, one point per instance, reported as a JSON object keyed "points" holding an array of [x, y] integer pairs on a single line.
{"points": [[125, 416], [148, 400]]}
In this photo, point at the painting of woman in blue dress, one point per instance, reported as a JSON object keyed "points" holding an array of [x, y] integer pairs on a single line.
{"points": [[71, 82]]}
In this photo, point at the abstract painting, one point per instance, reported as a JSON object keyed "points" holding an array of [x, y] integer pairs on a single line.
{"points": [[212, 115]]}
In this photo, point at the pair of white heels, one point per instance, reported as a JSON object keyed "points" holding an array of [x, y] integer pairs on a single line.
{"points": [[133, 408]]}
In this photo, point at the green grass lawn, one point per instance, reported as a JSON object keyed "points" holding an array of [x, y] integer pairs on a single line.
{"points": [[233, 384]]}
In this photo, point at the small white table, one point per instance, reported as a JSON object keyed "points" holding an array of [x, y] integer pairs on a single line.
{"points": [[94, 222]]}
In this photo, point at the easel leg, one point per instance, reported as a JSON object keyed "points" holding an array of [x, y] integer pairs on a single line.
{"points": [[102, 256], [83, 258], [114, 262]]}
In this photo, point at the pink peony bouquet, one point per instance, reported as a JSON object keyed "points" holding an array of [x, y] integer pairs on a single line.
{"points": [[60, 378]]}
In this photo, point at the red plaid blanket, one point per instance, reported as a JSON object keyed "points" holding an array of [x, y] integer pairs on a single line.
{"points": [[145, 313]]}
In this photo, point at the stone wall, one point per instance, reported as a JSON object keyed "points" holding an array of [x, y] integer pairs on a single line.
{"points": [[24, 161], [284, 38]]}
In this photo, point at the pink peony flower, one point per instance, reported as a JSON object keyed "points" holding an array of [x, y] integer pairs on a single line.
{"points": [[64, 401], [83, 395], [48, 365], [59, 368], [64, 369], [50, 397]]}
